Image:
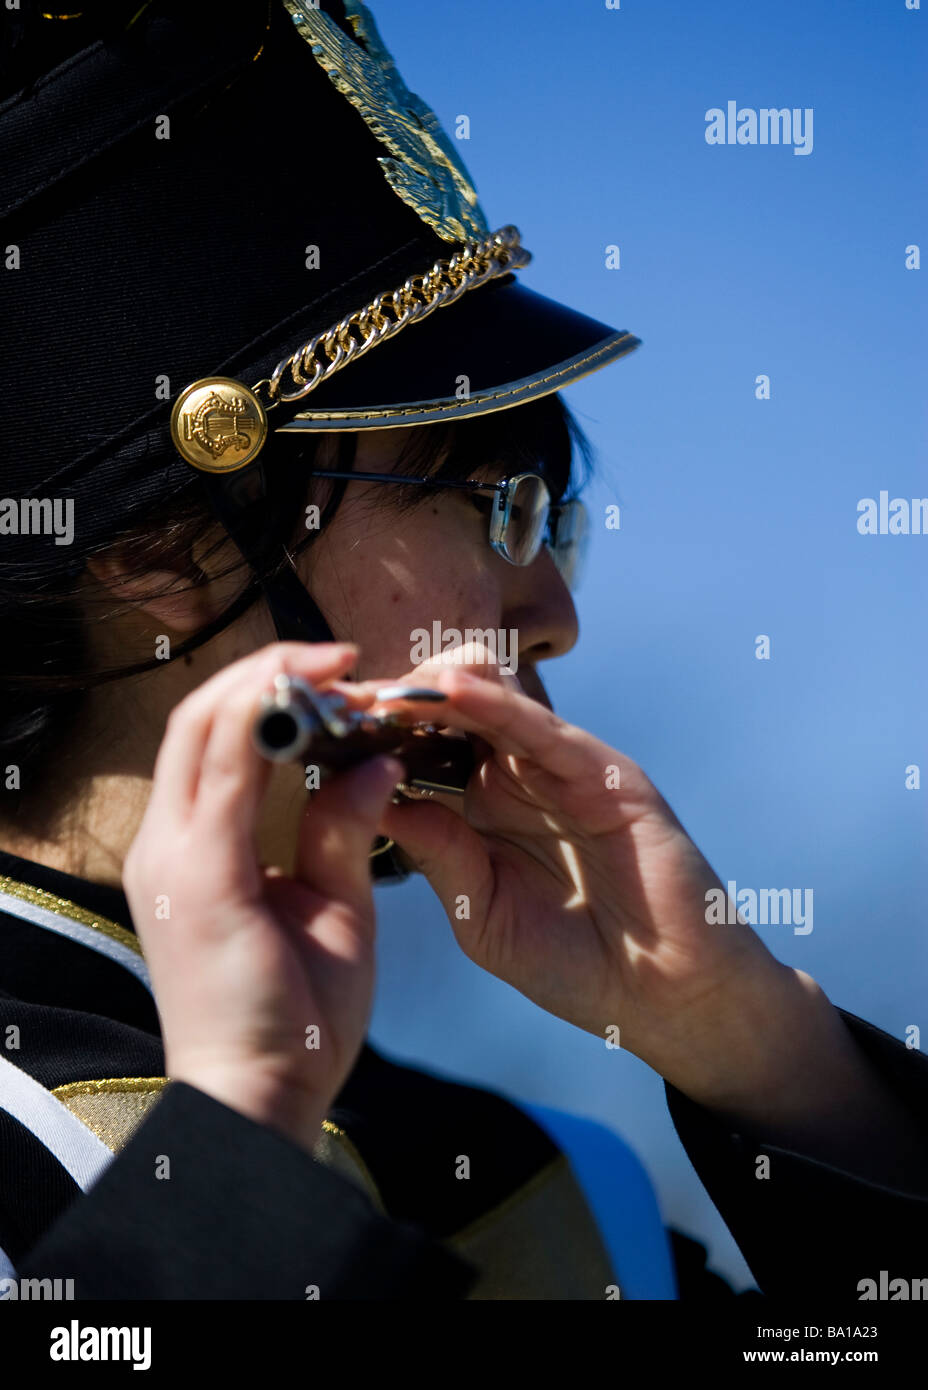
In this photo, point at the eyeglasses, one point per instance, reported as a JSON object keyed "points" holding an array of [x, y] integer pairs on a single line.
{"points": [[522, 516]]}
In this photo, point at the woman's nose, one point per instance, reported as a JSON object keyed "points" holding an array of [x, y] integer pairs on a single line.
{"points": [[538, 605]]}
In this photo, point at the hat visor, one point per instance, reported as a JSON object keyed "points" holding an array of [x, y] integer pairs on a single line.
{"points": [[497, 346]]}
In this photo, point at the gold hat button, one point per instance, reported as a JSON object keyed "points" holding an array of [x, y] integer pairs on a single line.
{"points": [[218, 425]]}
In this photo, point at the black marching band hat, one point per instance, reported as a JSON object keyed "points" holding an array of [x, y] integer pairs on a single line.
{"points": [[232, 221], [223, 224]]}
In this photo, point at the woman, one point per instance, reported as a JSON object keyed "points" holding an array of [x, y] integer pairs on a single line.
{"points": [[242, 1136]]}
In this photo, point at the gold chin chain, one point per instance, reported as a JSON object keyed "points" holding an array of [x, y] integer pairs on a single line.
{"points": [[220, 425], [419, 296]]}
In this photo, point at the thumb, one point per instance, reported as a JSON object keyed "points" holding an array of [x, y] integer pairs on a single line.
{"points": [[472, 657], [338, 827], [447, 852]]}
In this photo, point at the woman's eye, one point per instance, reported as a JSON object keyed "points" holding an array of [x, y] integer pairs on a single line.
{"points": [[483, 504]]}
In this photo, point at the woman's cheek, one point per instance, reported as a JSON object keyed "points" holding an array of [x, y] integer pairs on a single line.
{"points": [[386, 588]]}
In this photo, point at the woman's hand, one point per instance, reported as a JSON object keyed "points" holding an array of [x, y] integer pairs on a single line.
{"points": [[263, 983], [566, 874]]}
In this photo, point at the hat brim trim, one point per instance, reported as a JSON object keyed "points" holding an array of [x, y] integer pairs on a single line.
{"points": [[502, 397]]}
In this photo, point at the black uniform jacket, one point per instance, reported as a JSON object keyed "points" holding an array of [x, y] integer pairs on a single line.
{"points": [[200, 1202]]}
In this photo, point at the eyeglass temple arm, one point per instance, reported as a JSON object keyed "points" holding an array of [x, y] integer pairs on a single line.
{"points": [[400, 478], [472, 483]]}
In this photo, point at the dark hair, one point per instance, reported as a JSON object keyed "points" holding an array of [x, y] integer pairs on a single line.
{"points": [[44, 613]]}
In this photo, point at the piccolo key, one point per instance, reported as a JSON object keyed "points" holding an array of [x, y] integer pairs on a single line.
{"points": [[298, 721]]}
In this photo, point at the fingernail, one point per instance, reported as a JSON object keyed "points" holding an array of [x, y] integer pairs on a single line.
{"points": [[408, 692]]}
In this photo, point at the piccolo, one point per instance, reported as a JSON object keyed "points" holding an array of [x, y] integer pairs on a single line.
{"points": [[298, 721]]}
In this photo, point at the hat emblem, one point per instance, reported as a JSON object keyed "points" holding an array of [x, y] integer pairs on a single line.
{"points": [[423, 168], [218, 424], [216, 415]]}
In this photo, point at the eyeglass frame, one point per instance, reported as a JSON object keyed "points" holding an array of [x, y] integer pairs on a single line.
{"points": [[500, 515]]}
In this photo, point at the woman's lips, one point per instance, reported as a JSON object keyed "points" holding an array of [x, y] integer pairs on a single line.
{"points": [[533, 686]]}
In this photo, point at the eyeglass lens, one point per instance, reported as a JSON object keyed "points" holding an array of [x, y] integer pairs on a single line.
{"points": [[527, 505]]}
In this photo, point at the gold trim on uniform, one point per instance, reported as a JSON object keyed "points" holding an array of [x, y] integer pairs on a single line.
{"points": [[112, 1108], [335, 1150], [541, 1242], [107, 1085], [40, 898]]}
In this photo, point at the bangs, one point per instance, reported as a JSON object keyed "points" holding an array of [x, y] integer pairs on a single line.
{"points": [[540, 437]]}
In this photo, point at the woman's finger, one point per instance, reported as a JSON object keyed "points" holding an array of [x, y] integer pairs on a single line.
{"points": [[178, 765], [356, 694], [516, 725], [446, 851], [338, 828]]}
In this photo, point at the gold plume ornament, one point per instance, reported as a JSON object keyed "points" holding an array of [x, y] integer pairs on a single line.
{"points": [[423, 168]]}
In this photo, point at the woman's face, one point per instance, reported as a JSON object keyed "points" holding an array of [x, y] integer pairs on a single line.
{"points": [[378, 575]]}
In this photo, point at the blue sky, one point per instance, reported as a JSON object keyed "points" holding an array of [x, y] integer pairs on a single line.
{"points": [[739, 515]]}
